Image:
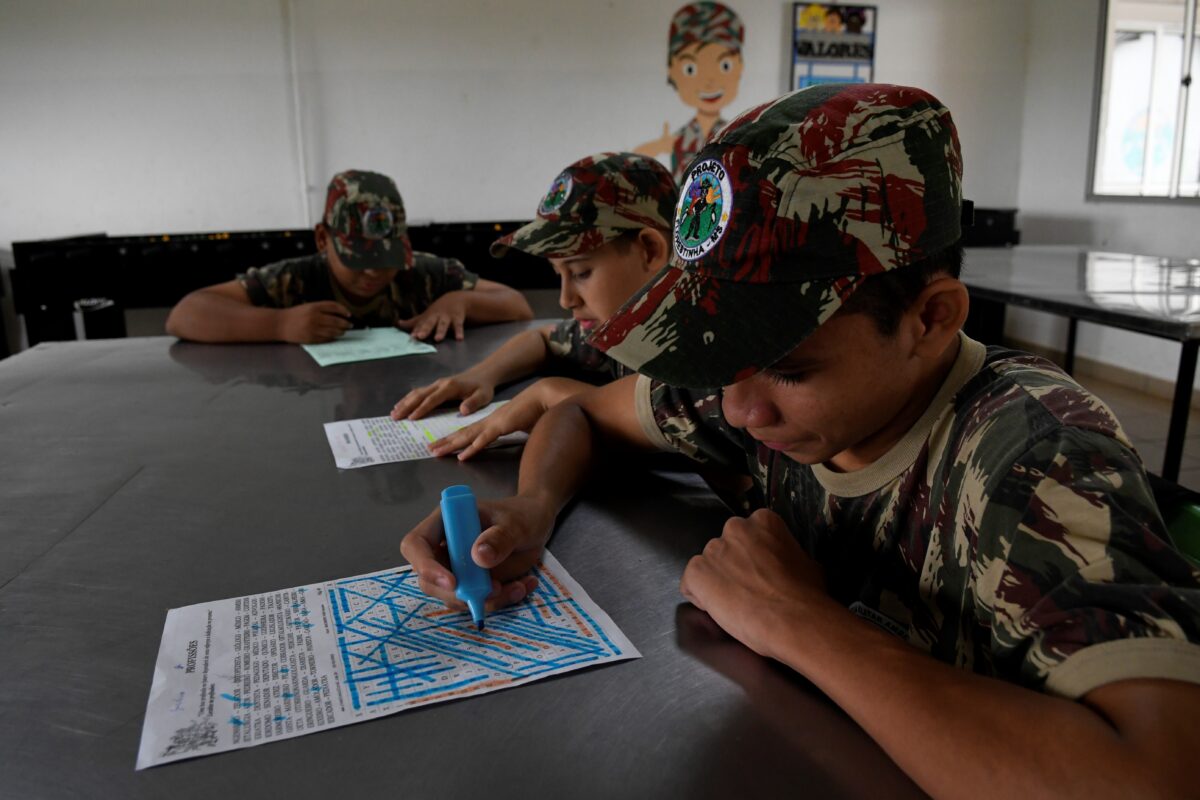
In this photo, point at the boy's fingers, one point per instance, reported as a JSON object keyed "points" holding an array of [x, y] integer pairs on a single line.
{"points": [[406, 404], [443, 325], [334, 319], [447, 444], [406, 324], [509, 594], [420, 549], [458, 329], [481, 441], [530, 583], [456, 441], [431, 571], [475, 401], [398, 411], [431, 401], [494, 545], [437, 591]]}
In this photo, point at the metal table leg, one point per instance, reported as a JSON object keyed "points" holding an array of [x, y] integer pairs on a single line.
{"points": [[1069, 358], [1180, 410]]}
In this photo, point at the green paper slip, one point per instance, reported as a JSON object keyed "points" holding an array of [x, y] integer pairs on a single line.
{"points": [[365, 345]]}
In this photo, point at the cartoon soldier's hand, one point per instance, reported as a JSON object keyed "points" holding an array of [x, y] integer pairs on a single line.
{"points": [[655, 147]]}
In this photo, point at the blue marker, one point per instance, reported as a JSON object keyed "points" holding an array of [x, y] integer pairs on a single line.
{"points": [[460, 518]]}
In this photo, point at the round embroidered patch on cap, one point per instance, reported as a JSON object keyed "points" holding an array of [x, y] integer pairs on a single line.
{"points": [[377, 222], [559, 191], [703, 209]]}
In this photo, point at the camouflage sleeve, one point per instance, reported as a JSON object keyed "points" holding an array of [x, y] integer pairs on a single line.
{"points": [[1074, 573], [569, 348], [689, 421], [433, 276], [459, 276], [272, 286]]}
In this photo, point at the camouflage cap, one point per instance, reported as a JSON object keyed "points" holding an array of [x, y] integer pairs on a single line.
{"points": [[781, 218], [593, 201], [706, 23], [365, 218]]}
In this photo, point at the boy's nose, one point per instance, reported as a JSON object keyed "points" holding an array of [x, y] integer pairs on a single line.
{"points": [[566, 295], [746, 405]]}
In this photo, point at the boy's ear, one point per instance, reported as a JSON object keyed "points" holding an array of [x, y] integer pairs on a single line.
{"points": [[938, 315], [321, 235], [655, 247]]}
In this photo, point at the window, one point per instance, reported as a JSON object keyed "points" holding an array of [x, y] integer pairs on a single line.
{"points": [[1147, 141]]}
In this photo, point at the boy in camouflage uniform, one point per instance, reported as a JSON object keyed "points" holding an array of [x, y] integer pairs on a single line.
{"points": [[704, 65], [364, 274], [952, 542], [605, 225]]}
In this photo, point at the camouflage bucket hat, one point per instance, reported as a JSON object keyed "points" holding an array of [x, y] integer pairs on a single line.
{"points": [[593, 201], [705, 23], [781, 218], [365, 218]]}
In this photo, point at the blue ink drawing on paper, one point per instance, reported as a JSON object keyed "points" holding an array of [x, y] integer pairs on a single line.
{"points": [[397, 645]]}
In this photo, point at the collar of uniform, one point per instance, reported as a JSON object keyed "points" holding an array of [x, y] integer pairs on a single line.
{"points": [[357, 310], [902, 455]]}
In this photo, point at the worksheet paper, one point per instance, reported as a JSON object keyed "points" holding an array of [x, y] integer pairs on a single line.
{"points": [[240, 672], [367, 344], [383, 440]]}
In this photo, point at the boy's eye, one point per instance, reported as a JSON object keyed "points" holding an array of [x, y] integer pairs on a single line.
{"points": [[582, 274], [689, 70], [786, 378], [726, 65]]}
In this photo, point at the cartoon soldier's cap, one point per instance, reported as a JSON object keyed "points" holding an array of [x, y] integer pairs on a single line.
{"points": [[705, 23], [365, 218], [592, 202], [781, 218]]}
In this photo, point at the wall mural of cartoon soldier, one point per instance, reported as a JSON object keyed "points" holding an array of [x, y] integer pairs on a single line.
{"points": [[704, 65]]}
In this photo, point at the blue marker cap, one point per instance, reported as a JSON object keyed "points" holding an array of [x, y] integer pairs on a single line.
{"points": [[460, 518]]}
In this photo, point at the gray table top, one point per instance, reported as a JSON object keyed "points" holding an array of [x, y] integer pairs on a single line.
{"points": [[1158, 296], [144, 474]]}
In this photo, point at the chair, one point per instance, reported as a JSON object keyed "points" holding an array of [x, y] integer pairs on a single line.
{"points": [[1180, 509]]}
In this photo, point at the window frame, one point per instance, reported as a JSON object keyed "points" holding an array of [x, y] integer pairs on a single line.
{"points": [[1099, 107]]}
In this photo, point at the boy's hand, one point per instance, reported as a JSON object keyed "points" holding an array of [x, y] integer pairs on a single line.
{"points": [[519, 414], [515, 531], [419, 402], [448, 310], [755, 580], [314, 323]]}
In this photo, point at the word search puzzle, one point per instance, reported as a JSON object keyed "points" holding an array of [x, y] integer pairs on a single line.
{"points": [[240, 672]]}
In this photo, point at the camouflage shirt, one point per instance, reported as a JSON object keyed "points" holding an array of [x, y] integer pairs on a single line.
{"points": [[1011, 532], [307, 279], [569, 347], [688, 141]]}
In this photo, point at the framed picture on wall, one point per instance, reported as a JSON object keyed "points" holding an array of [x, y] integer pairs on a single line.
{"points": [[832, 43]]}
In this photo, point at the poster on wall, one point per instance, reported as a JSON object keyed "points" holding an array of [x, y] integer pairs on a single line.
{"points": [[832, 43], [704, 67]]}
